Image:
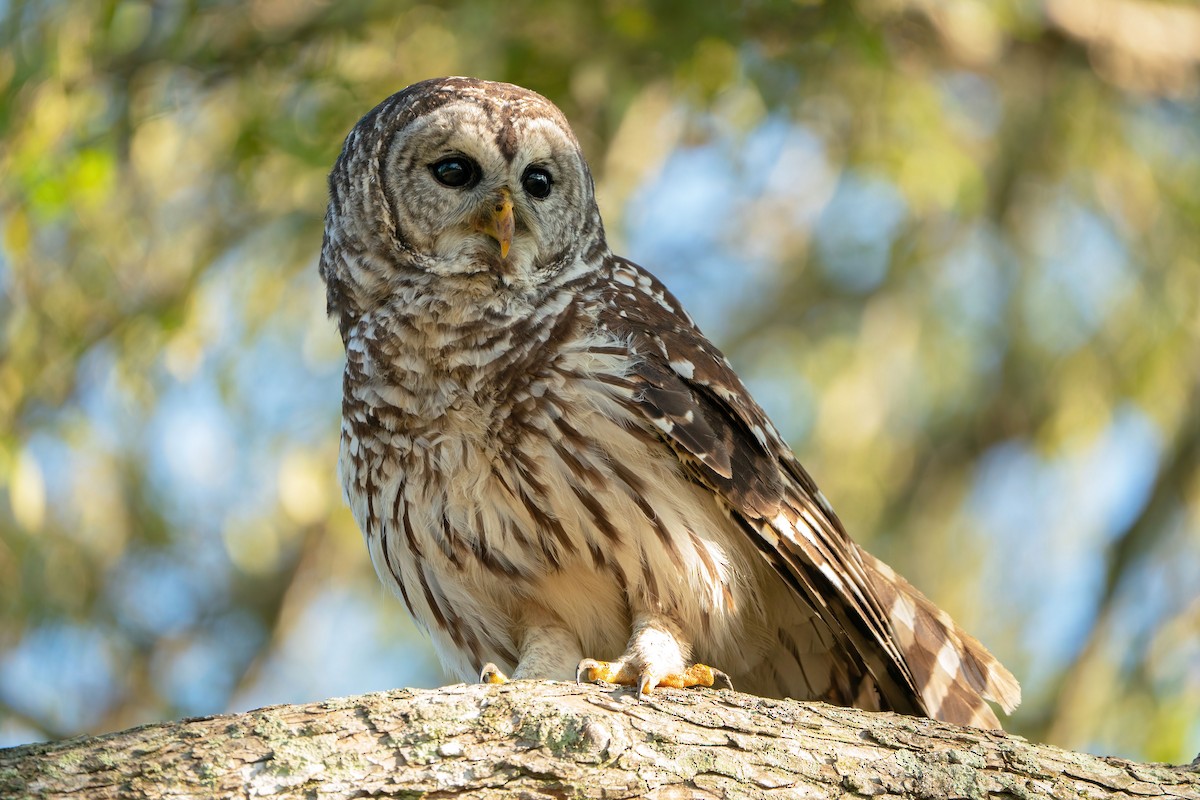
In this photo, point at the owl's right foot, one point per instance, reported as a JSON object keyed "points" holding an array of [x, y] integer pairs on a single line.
{"points": [[590, 670]]}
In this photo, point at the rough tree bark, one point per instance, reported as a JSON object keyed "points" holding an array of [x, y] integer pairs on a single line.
{"points": [[552, 740]]}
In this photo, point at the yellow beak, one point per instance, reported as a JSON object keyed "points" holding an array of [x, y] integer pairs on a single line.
{"points": [[498, 221]]}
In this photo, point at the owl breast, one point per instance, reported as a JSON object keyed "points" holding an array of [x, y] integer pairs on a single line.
{"points": [[508, 499]]}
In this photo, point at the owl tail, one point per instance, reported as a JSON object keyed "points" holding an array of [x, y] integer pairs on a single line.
{"points": [[953, 671]]}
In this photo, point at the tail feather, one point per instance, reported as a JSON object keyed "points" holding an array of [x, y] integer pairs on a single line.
{"points": [[954, 672]]}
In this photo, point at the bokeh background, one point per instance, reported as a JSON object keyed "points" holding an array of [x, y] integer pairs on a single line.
{"points": [[953, 246]]}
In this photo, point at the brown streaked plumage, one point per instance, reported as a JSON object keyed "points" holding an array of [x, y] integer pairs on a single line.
{"points": [[551, 464]]}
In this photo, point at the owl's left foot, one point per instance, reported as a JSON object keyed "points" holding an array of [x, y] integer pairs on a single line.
{"points": [[492, 674], [590, 670]]}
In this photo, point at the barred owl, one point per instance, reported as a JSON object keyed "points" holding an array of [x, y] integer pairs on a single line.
{"points": [[554, 469]]}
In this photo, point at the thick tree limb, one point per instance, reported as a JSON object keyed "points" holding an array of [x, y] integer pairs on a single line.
{"points": [[543, 740]]}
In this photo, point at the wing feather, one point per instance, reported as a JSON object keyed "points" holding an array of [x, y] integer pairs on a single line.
{"points": [[689, 393]]}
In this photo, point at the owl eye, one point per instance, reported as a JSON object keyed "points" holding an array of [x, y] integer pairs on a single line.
{"points": [[537, 182], [457, 172]]}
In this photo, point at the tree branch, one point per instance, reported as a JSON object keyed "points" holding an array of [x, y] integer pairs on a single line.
{"points": [[541, 739]]}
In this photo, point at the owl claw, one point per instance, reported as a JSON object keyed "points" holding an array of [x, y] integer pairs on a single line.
{"points": [[721, 680], [492, 674]]}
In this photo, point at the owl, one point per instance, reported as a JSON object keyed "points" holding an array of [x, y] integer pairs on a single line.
{"points": [[556, 472]]}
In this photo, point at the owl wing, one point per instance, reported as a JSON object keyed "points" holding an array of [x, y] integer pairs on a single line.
{"points": [[920, 661]]}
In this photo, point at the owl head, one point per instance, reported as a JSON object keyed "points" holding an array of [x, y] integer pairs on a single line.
{"points": [[455, 186]]}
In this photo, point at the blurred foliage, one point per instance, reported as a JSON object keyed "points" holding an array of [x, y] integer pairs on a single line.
{"points": [[953, 246]]}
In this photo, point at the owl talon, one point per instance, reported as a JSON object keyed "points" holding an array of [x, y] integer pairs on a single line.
{"points": [[721, 680], [492, 674]]}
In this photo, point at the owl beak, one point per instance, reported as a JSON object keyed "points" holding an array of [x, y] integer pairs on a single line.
{"points": [[498, 221]]}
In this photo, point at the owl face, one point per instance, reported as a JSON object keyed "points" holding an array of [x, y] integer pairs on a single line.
{"points": [[488, 190], [461, 185]]}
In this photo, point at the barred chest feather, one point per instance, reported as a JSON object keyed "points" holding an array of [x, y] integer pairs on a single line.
{"points": [[502, 481]]}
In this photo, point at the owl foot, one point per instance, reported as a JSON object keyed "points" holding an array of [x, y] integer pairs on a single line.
{"points": [[590, 670], [492, 674]]}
